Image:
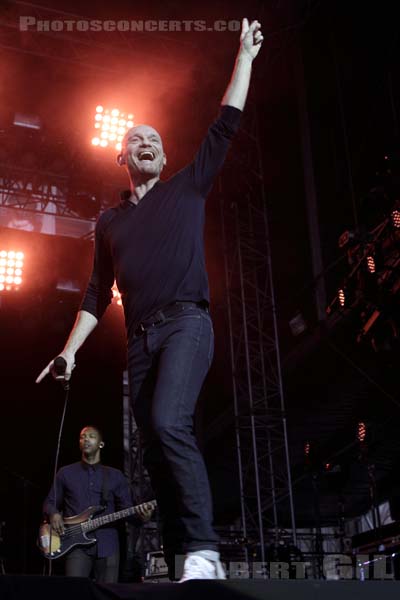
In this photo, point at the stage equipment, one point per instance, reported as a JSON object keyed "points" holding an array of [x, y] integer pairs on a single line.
{"points": [[11, 267], [110, 127]]}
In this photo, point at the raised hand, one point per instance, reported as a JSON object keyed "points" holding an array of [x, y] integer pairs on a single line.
{"points": [[251, 38]]}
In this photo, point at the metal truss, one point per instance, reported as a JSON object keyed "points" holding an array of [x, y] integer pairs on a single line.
{"points": [[98, 50], [260, 418], [146, 539], [38, 201]]}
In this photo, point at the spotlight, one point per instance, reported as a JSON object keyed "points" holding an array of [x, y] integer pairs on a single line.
{"points": [[395, 218], [341, 297], [11, 266], [371, 264], [112, 121], [361, 431]]}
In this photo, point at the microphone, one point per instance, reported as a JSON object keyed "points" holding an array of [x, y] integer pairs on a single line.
{"points": [[59, 367]]}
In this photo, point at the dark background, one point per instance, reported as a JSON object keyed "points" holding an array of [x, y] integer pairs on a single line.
{"points": [[350, 52]]}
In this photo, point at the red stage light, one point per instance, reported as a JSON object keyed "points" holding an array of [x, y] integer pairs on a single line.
{"points": [[371, 264], [361, 431], [396, 218]]}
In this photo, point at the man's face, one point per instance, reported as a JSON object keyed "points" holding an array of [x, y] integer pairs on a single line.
{"points": [[143, 151], [89, 440]]}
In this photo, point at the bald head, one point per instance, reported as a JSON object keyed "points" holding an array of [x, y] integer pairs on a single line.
{"points": [[141, 130], [142, 153]]}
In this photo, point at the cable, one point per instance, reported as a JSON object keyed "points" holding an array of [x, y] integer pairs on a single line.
{"points": [[66, 398]]}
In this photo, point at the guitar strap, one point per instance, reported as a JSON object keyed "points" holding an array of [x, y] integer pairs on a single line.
{"points": [[105, 489]]}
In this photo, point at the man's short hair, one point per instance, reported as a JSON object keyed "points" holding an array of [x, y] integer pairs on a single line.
{"points": [[99, 431]]}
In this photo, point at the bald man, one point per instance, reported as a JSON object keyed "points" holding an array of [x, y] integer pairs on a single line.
{"points": [[152, 244]]}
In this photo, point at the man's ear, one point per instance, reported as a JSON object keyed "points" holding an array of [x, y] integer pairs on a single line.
{"points": [[121, 160], [164, 159]]}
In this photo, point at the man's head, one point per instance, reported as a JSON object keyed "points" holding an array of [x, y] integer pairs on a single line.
{"points": [[91, 442], [142, 153]]}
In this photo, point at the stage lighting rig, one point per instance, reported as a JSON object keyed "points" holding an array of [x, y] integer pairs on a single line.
{"points": [[11, 266], [110, 127], [371, 289]]}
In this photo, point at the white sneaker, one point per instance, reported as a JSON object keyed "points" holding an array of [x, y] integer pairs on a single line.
{"points": [[197, 567]]}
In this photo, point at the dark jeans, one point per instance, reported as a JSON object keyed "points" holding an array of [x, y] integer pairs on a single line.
{"points": [[167, 366], [83, 562]]}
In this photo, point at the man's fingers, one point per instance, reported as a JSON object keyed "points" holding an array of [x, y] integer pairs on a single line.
{"points": [[255, 26], [245, 28], [43, 374]]}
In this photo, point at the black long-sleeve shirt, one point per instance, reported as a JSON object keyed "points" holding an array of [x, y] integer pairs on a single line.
{"points": [[155, 249]]}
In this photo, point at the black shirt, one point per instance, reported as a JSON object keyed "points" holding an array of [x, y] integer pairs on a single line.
{"points": [[155, 249]]}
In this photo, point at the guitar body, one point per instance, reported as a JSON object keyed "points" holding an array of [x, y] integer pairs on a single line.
{"points": [[54, 546], [79, 527]]}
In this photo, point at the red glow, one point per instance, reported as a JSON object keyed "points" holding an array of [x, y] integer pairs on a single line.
{"points": [[361, 431], [116, 295], [371, 264]]}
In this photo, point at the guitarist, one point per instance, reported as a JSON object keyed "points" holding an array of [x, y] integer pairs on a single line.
{"points": [[89, 483]]}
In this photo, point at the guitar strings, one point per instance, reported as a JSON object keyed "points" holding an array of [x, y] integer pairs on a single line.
{"points": [[74, 529]]}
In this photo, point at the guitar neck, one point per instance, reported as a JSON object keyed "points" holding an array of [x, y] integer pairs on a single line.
{"points": [[116, 516]]}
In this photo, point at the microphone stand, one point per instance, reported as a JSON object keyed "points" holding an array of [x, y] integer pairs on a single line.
{"points": [[60, 365]]}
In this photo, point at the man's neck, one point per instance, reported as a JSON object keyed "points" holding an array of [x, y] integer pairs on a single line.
{"points": [[139, 189], [91, 460]]}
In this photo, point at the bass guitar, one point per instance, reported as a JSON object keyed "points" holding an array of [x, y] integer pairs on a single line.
{"points": [[77, 529]]}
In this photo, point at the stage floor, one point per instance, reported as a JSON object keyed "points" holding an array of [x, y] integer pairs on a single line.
{"points": [[27, 587]]}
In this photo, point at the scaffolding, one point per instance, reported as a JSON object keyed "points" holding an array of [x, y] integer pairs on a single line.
{"points": [[259, 409]]}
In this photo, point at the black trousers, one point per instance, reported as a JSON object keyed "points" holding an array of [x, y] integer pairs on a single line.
{"points": [[167, 366], [84, 562]]}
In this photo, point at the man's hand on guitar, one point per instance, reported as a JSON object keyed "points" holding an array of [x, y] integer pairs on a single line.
{"points": [[57, 523], [145, 511]]}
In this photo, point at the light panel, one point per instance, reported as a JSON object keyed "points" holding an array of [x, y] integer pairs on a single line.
{"points": [[110, 126], [11, 267]]}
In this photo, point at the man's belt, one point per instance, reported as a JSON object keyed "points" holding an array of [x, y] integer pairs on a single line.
{"points": [[167, 312]]}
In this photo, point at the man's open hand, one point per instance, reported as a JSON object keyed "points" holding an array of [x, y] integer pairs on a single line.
{"points": [[251, 38]]}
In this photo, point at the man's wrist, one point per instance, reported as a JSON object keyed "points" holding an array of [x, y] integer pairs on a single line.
{"points": [[244, 56]]}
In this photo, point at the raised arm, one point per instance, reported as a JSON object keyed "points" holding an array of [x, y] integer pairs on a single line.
{"points": [[212, 152], [250, 43]]}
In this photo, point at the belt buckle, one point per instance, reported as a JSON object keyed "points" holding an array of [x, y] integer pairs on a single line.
{"points": [[142, 328]]}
